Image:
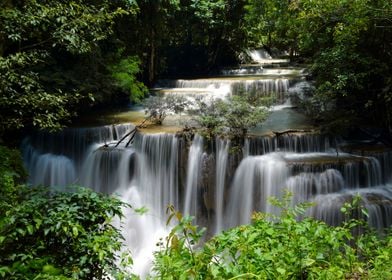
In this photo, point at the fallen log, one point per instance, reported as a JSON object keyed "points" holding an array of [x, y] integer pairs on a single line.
{"points": [[131, 133], [278, 133]]}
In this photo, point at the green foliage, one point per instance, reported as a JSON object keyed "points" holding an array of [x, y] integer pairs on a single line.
{"points": [[41, 45], [12, 172], [237, 114], [348, 43], [177, 258], [11, 163], [46, 234], [274, 247], [124, 73], [69, 234], [187, 37], [24, 101], [73, 26], [272, 23], [380, 264]]}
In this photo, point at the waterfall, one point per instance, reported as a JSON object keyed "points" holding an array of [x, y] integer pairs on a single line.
{"points": [[195, 158], [263, 87], [106, 168], [256, 179], [258, 55], [376, 200], [223, 87], [259, 145], [294, 142], [153, 186], [306, 185], [52, 170], [310, 177], [222, 153], [158, 169], [61, 155], [243, 70], [148, 175]]}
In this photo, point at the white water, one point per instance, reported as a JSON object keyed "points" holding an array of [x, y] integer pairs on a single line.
{"points": [[147, 175], [222, 154], [156, 172], [53, 170], [244, 70], [261, 56], [195, 158], [222, 87], [256, 179]]}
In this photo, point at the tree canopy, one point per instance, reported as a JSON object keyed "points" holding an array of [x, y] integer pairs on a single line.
{"points": [[43, 45], [348, 44], [57, 57]]}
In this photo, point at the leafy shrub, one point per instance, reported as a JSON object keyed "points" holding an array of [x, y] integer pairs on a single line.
{"points": [[274, 247], [11, 172], [236, 115], [59, 233], [124, 73], [11, 163], [158, 108], [46, 234]]}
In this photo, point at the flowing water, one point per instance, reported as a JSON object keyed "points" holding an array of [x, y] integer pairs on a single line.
{"points": [[222, 154], [193, 177], [204, 179]]}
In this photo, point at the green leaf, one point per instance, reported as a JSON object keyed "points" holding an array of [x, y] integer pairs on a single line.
{"points": [[308, 262], [30, 229], [21, 231], [269, 231], [281, 270], [75, 231], [141, 211], [38, 223]]}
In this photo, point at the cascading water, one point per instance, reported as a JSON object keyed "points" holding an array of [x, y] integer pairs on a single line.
{"points": [[222, 154], [256, 179], [53, 170], [155, 187], [195, 158], [224, 87], [158, 170], [145, 175], [148, 175]]}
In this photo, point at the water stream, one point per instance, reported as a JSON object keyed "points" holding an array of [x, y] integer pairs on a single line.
{"points": [[203, 179]]}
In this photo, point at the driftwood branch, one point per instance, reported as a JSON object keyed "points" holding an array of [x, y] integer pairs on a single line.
{"points": [[125, 136], [131, 134], [278, 133]]}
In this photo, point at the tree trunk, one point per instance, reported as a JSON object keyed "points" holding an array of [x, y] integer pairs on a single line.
{"points": [[151, 68], [1, 45]]}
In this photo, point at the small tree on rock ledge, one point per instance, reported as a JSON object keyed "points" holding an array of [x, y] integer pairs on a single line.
{"points": [[234, 116], [158, 108]]}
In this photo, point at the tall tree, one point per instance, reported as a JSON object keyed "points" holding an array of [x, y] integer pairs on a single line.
{"points": [[348, 43], [40, 44]]}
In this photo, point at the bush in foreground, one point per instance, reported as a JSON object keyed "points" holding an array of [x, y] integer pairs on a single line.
{"points": [[45, 234], [275, 248]]}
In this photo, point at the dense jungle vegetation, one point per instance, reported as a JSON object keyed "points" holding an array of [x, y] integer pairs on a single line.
{"points": [[61, 58], [47, 234]]}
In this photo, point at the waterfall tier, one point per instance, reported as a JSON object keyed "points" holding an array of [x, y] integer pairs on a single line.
{"points": [[214, 185], [218, 183]]}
